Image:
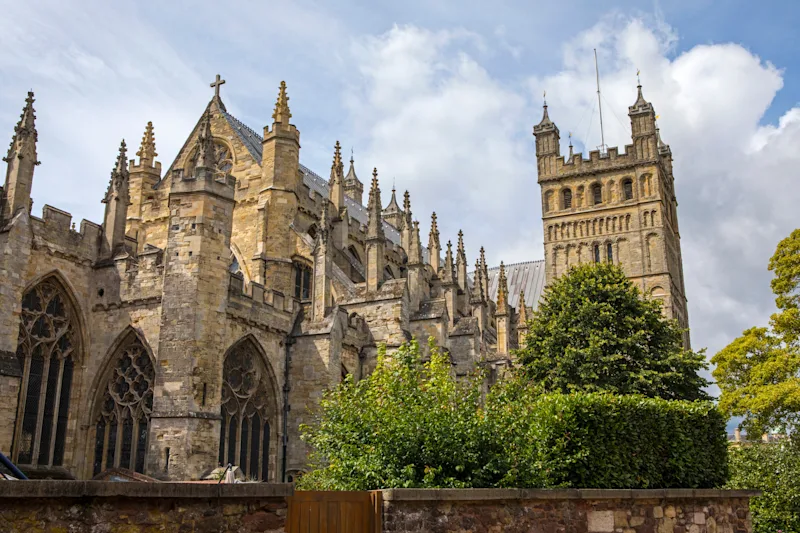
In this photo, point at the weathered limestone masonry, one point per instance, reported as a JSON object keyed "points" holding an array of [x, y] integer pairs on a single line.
{"points": [[202, 319], [566, 511], [614, 207], [90, 506]]}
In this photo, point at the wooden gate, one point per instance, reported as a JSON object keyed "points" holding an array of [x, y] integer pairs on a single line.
{"points": [[334, 512]]}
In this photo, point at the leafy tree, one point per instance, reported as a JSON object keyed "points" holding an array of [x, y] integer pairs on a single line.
{"points": [[773, 468], [594, 332], [409, 424], [759, 372]]}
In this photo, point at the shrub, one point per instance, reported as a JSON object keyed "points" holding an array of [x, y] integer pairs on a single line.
{"points": [[413, 424], [773, 468]]}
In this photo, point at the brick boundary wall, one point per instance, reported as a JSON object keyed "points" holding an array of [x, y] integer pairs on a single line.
{"points": [[94, 506], [566, 511]]}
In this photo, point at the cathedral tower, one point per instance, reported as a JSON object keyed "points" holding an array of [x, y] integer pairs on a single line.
{"points": [[614, 207]]}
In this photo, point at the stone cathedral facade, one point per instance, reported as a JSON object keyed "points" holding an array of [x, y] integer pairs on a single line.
{"points": [[198, 323]]}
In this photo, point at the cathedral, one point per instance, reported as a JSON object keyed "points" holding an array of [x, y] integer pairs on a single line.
{"points": [[199, 323]]}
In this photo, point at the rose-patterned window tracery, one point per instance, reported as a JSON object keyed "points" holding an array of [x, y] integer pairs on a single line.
{"points": [[121, 426], [246, 410], [46, 350]]}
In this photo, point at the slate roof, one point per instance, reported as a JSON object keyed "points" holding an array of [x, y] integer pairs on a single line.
{"points": [[528, 276]]}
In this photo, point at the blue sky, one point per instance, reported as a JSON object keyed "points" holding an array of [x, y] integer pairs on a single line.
{"points": [[441, 97]]}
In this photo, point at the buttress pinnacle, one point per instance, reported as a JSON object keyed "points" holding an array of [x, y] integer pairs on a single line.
{"points": [[282, 113], [25, 130], [502, 287], [147, 150], [375, 222]]}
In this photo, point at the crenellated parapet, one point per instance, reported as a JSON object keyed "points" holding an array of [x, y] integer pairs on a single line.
{"points": [[56, 233]]}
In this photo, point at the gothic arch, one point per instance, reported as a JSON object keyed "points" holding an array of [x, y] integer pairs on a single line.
{"points": [[50, 352], [249, 410], [239, 258], [122, 400], [187, 162]]}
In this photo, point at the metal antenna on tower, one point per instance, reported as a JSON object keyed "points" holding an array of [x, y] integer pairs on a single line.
{"points": [[599, 105]]}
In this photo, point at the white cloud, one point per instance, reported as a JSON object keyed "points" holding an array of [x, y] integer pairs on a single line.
{"points": [[459, 139]]}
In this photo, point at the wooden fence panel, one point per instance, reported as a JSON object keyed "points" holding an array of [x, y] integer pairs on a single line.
{"points": [[334, 512]]}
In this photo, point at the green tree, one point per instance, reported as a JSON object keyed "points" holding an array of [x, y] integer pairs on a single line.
{"points": [[773, 468], [409, 424], [594, 332], [759, 372]]}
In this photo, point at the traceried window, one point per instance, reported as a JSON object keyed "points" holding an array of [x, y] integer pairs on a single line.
{"points": [[627, 189], [121, 425], [567, 195], [302, 282], [49, 343], [223, 161], [246, 409], [597, 194]]}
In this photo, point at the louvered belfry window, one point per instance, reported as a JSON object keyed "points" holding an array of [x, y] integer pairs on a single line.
{"points": [[48, 344], [245, 432], [121, 426]]}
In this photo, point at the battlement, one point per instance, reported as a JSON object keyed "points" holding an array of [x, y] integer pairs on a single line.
{"points": [[55, 228], [261, 306]]}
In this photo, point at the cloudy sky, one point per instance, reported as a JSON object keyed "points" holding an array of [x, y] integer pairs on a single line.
{"points": [[441, 97]]}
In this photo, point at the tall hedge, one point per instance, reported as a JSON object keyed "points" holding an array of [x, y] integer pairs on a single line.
{"points": [[600, 440], [413, 424]]}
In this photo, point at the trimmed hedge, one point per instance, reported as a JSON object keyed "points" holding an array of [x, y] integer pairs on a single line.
{"points": [[605, 441]]}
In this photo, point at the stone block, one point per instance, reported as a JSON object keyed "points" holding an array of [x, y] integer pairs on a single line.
{"points": [[600, 521]]}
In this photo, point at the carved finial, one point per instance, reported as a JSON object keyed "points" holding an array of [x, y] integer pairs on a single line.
{"points": [[477, 285], [407, 203], [522, 308], [119, 174], [461, 243], [502, 288], [570, 145], [375, 222], [337, 167], [205, 143], [25, 130], [147, 150], [282, 113], [122, 157], [449, 269]]}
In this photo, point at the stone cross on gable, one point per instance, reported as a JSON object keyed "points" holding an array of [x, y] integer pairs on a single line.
{"points": [[216, 85]]}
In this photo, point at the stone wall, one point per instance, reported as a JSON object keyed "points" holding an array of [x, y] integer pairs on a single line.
{"points": [[78, 506], [566, 511]]}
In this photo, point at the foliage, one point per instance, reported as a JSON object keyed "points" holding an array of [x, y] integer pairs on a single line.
{"points": [[759, 372], [413, 424], [409, 424], [773, 468], [601, 440], [594, 332]]}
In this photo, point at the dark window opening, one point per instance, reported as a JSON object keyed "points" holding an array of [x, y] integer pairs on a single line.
{"points": [[302, 282], [597, 194], [627, 189], [567, 199], [596, 253], [609, 253]]}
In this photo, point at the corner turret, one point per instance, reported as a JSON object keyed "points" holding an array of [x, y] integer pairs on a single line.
{"points": [[352, 185], [548, 148]]}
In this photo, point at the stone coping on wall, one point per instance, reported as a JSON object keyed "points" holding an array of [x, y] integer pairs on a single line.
{"points": [[561, 494], [111, 489]]}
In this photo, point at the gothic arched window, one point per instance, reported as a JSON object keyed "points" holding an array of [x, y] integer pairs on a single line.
{"points": [[121, 426], [302, 282], [567, 195], [49, 342], [246, 411]]}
